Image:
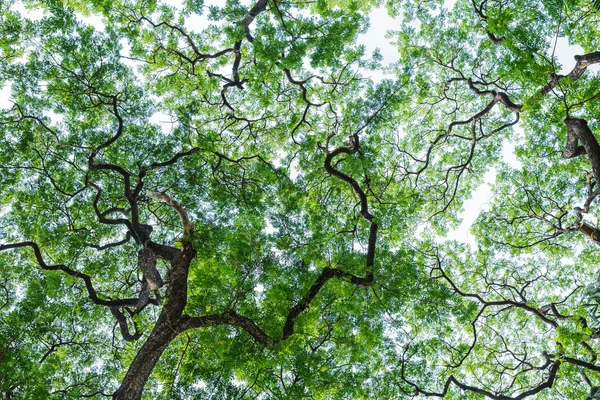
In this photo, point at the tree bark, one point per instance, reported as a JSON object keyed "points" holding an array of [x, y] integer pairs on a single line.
{"points": [[144, 362], [165, 331], [578, 131]]}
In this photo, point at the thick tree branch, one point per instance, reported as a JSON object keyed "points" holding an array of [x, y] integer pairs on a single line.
{"points": [[185, 221], [579, 131], [581, 65], [228, 318], [124, 326]]}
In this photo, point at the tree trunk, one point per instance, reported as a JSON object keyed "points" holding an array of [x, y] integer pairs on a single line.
{"points": [[139, 371], [165, 331]]}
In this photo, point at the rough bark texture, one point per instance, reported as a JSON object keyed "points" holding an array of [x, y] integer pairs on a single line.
{"points": [[137, 375], [590, 232], [169, 324], [166, 329], [582, 63], [578, 131], [147, 264]]}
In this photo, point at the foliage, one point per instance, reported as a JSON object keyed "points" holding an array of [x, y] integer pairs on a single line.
{"points": [[216, 201]]}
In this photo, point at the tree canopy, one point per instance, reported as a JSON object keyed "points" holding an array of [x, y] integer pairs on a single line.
{"points": [[286, 230]]}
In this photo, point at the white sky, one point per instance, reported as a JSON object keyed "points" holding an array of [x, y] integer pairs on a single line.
{"points": [[375, 38]]}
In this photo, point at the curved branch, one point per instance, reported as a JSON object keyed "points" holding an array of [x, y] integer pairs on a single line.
{"points": [[579, 131], [364, 206], [119, 132], [581, 65], [452, 380], [185, 221], [521, 305], [174, 159], [110, 245], [227, 318], [92, 294], [123, 326]]}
